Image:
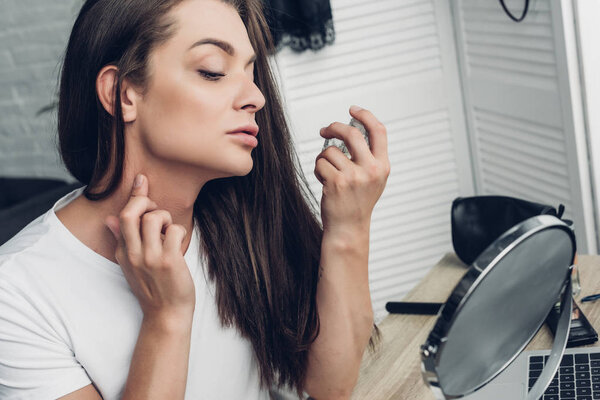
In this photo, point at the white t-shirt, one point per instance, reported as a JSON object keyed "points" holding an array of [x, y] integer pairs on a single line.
{"points": [[68, 318]]}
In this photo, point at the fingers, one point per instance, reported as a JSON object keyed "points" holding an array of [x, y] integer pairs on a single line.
{"points": [[174, 237], [336, 158], [362, 153], [377, 132], [153, 223], [325, 171], [130, 215], [139, 227], [352, 137]]}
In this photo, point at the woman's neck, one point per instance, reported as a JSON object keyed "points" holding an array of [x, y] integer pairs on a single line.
{"points": [[85, 218]]}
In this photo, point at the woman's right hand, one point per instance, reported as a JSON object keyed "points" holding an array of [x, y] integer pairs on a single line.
{"points": [[153, 263]]}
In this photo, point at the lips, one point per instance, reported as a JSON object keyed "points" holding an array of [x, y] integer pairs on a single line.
{"points": [[247, 129]]}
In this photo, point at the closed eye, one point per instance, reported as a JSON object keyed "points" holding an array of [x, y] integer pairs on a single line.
{"points": [[211, 76]]}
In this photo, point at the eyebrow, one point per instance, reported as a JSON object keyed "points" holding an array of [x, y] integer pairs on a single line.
{"points": [[225, 46]]}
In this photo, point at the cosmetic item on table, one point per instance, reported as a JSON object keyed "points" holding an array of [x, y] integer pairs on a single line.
{"points": [[418, 308], [593, 297], [581, 332]]}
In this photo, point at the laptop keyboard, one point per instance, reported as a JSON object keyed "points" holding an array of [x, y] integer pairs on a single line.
{"points": [[578, 377]]}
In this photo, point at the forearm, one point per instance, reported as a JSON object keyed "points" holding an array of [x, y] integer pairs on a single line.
{"points": [[345, 314], [159, 365]]}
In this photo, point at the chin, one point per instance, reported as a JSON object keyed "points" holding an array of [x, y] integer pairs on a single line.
{"points": [[240, 169], [246, 171]]}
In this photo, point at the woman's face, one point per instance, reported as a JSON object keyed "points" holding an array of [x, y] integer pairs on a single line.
{"points": [[197, 93]]}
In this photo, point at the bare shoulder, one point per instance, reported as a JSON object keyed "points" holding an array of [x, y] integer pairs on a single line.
{"points": [[88, 392]]}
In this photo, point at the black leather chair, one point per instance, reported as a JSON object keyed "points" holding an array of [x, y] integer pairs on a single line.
{"points": [[24, 199]]}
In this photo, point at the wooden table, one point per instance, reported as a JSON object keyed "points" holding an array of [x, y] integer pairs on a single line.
{"points": [[394, 372]]}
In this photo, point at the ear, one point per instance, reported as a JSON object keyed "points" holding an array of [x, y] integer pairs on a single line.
{"points": [[106, 87]]}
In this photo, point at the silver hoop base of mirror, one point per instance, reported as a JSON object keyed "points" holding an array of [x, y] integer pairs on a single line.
{"points": [[437, 339]]}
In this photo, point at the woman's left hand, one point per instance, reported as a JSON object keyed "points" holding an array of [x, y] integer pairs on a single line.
{"points": [[351, 187]]}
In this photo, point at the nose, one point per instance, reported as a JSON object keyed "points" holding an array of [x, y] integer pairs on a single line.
{"points": [[250, 97]]}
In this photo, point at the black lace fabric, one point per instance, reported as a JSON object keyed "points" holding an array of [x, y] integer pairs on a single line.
{"points": [[300, 24]]}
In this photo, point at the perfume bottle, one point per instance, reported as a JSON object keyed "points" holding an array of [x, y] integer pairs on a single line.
{"points": [[340, 144]]}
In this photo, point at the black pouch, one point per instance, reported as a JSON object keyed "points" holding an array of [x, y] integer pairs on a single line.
{"points": [[479, 220]]}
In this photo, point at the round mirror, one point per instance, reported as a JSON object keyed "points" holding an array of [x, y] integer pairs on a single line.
{"points": [[501, 303]]}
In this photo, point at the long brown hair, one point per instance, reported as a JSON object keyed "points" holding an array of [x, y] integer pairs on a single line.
{"points": [[259, 232]]}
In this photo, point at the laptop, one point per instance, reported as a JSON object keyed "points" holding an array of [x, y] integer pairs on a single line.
{"points": [[578, 377]]}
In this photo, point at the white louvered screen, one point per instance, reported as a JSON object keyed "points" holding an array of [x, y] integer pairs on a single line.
{"points": [[520, 107], [396, 58]]}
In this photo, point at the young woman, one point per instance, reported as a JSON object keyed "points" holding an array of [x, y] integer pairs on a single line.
{"points": [[191, 264]]}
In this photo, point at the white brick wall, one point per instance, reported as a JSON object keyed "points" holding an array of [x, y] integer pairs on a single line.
{"points": [[33, 37]]}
